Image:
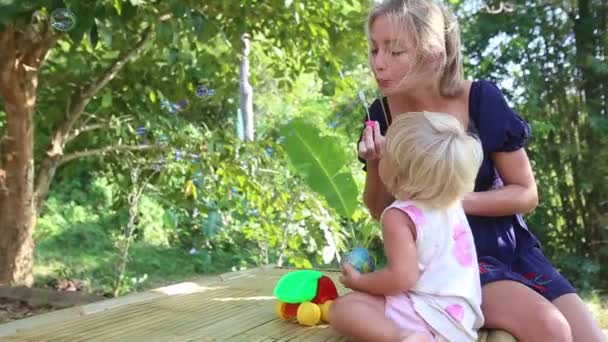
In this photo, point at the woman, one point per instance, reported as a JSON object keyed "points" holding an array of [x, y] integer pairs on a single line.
{"points": [[415, 58]]}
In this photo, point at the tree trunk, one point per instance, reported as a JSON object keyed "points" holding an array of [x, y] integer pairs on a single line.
{"points": [[246, 91], [24, 48]]}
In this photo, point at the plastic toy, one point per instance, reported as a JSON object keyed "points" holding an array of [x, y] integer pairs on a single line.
{"points": [[305, 295], [361, 260]]}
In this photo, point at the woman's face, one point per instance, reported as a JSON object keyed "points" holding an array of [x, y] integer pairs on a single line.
{"points": [[392, 56]]}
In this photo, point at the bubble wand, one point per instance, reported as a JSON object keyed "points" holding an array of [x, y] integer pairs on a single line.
{"points": [[369, 121]]}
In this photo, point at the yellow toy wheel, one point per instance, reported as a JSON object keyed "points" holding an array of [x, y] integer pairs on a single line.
{"points": [[325, 310], [309, 314], [279, 309]]}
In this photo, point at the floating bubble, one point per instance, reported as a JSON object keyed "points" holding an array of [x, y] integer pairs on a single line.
{"points": [[198, 179], [173, 108], [159, 164], [201, 91], [179, 154], [168, 106], [163, 140], [62, 19], [141, 130], [269, 151], [183, 104]]}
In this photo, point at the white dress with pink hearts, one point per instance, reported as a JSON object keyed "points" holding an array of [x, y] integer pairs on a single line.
{"points": [[447, 295]]}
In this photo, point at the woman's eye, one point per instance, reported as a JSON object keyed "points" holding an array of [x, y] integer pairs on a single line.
{"points": [[374, 52], [397, 53]]}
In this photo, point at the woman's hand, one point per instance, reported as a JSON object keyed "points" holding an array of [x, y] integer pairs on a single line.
{"points": [[372, 143]]}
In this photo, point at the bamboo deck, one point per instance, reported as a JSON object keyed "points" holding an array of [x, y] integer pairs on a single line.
{"points": [[233, 307]]}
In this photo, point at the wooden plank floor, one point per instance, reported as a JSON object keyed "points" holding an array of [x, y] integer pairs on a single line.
{"points": [[234, 307], [238, 308]]}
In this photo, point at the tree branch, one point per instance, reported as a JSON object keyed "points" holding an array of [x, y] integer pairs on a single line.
{"points": [[83, 129], [104, 150], [80, 100], [120, 62]]}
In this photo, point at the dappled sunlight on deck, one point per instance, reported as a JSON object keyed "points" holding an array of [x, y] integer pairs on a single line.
{"points": [[235, 307], [232, 307]]}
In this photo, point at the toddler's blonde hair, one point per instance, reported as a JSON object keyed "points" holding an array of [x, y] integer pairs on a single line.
{"points": [[436, 34], [434, 159]]}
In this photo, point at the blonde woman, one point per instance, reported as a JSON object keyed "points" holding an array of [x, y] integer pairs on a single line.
{"points": [[430, 289], [415, 58]]}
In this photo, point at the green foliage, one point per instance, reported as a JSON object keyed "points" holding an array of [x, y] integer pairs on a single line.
{"points": [[249, 212], [549, 63], [321, 161], [216, 203], [213, 195]]}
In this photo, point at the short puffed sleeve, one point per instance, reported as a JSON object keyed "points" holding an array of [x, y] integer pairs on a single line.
{"points": [[500, 128]]}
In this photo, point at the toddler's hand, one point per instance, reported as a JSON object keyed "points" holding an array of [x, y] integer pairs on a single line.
{"points": [[350, 276]]}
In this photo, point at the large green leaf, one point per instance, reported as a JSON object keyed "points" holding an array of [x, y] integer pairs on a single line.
{"points": [[320, 161]]}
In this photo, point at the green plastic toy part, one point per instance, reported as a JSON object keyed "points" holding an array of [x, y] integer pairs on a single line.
{"points": [[298, 286]]}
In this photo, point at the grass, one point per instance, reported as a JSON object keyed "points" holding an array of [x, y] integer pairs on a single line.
{"points": [[95, 264]]}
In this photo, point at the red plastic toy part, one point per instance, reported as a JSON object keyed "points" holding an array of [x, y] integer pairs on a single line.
{"points": [[326, 291]]}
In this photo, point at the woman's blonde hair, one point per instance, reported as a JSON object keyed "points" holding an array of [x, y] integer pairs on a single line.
{"points": [[435, 32], [435, 161]]}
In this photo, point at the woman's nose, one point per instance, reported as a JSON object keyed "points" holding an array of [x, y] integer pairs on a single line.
{"points": [[380, 61]]}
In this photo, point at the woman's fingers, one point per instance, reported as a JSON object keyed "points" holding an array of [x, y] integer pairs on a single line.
{"points": [[362, 150], [378, 139], [368, 138], [366, 146], [372, 142]]}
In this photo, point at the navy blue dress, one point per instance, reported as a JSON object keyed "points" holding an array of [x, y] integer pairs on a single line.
{"points": [[506, 249]]}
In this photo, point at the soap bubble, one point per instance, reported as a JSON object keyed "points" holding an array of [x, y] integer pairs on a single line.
{"points": [[163, 140], [202, 91], [159, 164], [141, 130], [269, 151], [198, 179], [173, 108], [182, 105], [62, 19], [178, 155]]}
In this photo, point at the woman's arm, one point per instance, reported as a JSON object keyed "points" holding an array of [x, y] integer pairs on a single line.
{"points": [[375, 196], [518, 196]]}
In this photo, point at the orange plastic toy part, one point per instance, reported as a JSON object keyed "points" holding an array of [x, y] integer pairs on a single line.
{"points": [[325, 291]]}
